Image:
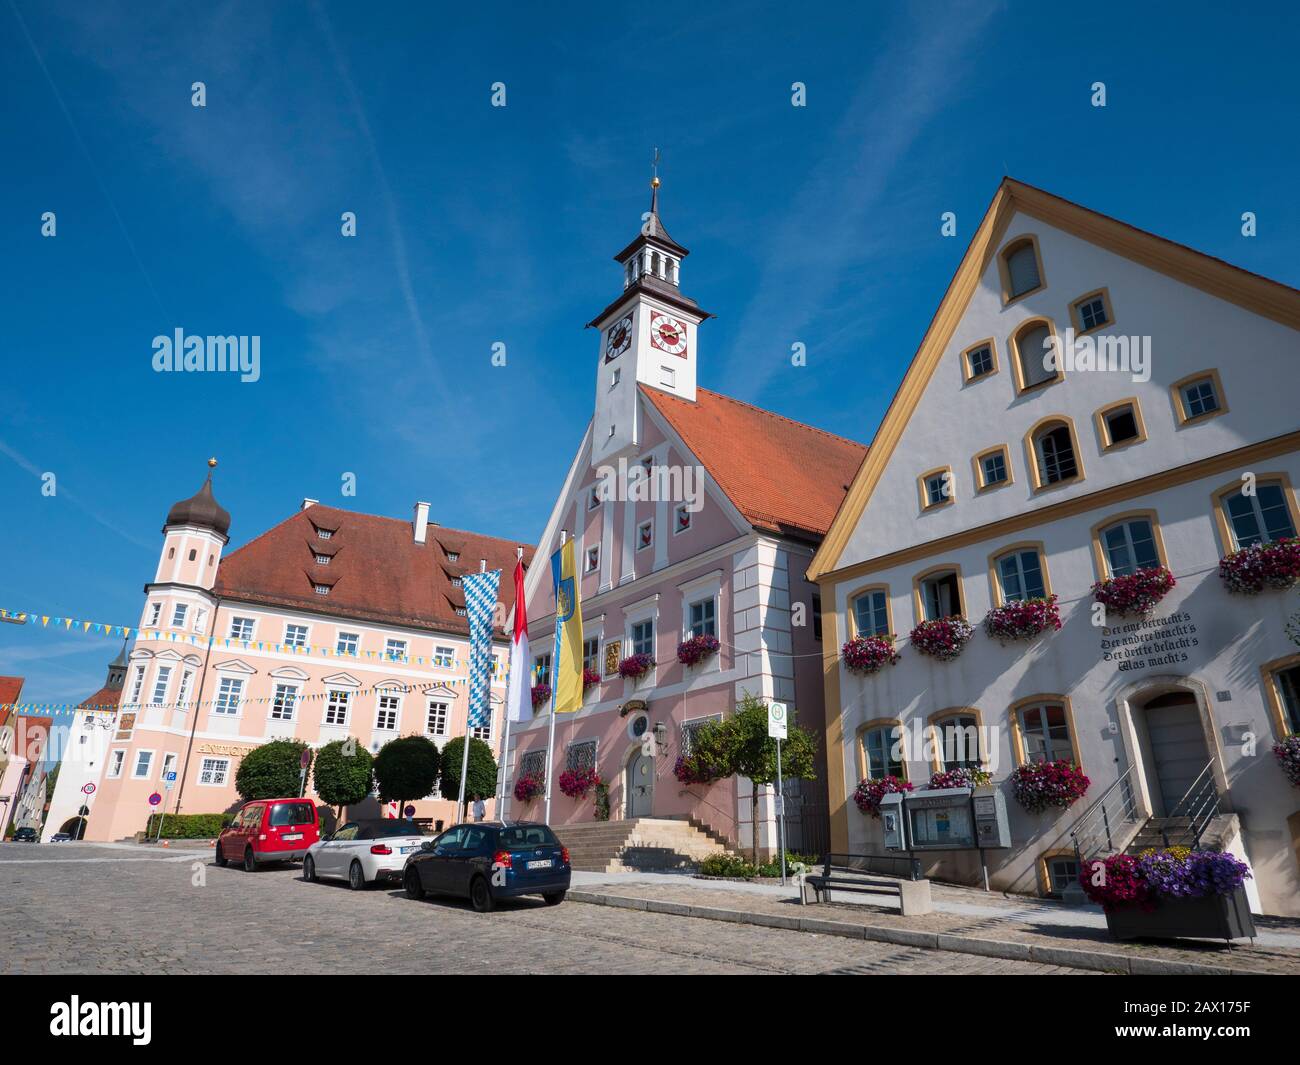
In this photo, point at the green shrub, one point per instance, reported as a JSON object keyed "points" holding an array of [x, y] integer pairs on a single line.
{"points": [[730, 865], [773, 868], [188, 826]]}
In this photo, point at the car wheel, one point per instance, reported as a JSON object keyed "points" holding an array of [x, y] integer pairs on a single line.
{"points": [[411, 882], [221, 858], [480, 895], [250, 862], [554, 898], [308, 869], [357, 877]]}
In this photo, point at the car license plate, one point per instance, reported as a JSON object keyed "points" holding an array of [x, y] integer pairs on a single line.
{"points": [[291, 835], [407, 850], [544, 864]]}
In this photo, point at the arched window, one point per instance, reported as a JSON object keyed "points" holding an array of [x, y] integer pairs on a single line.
{"points": [[940, 594], [1021, 271], [1032, 349], [871, 613], [1044, 729], [882, 751], [1020, 575], [959, 744], [1259, 518], [1129, 546], [1055, 453]]}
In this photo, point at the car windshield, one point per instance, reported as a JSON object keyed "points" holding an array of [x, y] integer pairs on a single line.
{"points": [[291, 813], [527, 836], [390, 828]]}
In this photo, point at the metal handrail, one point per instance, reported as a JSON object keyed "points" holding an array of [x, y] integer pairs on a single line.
{"points": [[1094, 823], [1202, 798]]}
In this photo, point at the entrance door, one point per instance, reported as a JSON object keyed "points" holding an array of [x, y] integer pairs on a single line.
{"points": [[640, 785], [1177, 746]]}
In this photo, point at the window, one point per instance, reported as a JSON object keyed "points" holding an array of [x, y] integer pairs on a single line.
{"points": [[1287, 684], [643, 638], [645, 535], [593, 497], [1259, 518], [286, 695], [322, 589], [115, 762], [882, 751], [1054, 454], [155, 613], [241, 628], [336, 707], [435, 723], [591, 654], [582, 755], [453, 556], [1032, 352], [615, 378], [542, 669], [992, 469], [395, 649], [295, 635], [593, 558], [1198, 397], [668, 376], [193, 554], [229, 694], [1129, 546], [214, 771], [1022, 272], [1045, 733], [532, 764], [168, 766], [1091, 312], [386, 717], [691, 729], [324, 534], [347, 643], [940, 595], [1020, 576], [160, 684], [482, 732], [444, 657], [137, 686], [871, 613], [456, 582], [143, 760], [323, 560], [178, 615], [200, 618], [461, 612], [1120, 424], [959, 743], [936, 488], [183, 695], [682, 518], [979, 361], [1061, 873], [701, 617]]}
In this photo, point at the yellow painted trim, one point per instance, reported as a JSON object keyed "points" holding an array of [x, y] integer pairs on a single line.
{"points": [[1077, 321], [836, 791], [1013, 352], [1227, 541], [1031, 453], [879, 722], [1017, 730], [1139, 488], [977, 468], [1176, 397], [1100, 564], [1104, 443], [995, 580], [918, 604], [1276, 711], [1004, 272], [992, 345], [1259, 295], [935, 720], [852, 623], [924, 496], [1044, 875]]}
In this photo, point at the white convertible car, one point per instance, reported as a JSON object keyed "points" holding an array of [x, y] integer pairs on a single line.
{"points": [[364, 852]]}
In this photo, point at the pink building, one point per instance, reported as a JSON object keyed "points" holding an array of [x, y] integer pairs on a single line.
{"points": [[713, 539], [329, 625]]}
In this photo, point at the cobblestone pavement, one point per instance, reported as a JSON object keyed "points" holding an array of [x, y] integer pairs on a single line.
{"points": [[86, 908]]}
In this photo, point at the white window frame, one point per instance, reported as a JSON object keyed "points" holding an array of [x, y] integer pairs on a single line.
{"points": [[284, 709], [396, 656], [332, 705], [183, 692], [236, 628], [290, 626], [137, 686], [1018, 553], [642, 527], [155, 615], [211, 766], [591, 559], [380, 710], [678, 511], [353, 638], [443, 709], [180, 611], [116, 763], [1045, 737], [444, 657], [230, 693], [168, 765], [135, 764], [162, 681]]}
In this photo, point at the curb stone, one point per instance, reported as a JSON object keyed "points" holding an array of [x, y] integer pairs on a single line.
{"points": [[1066, 957]]}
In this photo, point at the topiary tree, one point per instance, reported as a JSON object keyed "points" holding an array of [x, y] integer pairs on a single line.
{"points": [[271, 771], [480, 781], [406, 768], [343, 774]]}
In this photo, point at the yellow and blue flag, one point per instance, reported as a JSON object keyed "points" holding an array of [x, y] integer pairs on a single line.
{"points": [[566, 669]]}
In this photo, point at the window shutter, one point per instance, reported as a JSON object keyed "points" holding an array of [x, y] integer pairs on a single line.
{"points": [[1022, 266], [1032, 346]]}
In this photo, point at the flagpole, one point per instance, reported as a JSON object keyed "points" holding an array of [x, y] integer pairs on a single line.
{"points": [[555, 681], [505, 739], [464, 753]]}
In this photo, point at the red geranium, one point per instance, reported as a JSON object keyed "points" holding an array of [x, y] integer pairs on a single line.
{"points": [[528, 787], [1022, 619], [1259, 566], [575, 783], [696, 649], [1116, 882], [1134, 593], [869, 654], [942, 639], [1039, 785], [870, 792]]}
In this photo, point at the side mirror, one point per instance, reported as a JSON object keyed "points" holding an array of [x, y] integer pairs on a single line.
{"points": [[427, 845]]}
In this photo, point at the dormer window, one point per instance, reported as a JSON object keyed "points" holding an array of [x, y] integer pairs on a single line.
{"points": [[324, 534], [453, 556], [322, 560], [322, 589]]}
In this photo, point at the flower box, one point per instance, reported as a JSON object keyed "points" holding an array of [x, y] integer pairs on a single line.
{"points": [[528, 787], [869, 654], [943, 639], [541, 695], [1134, 593], [690, 769], [576, 783], [589, 677], [1039, 785], [635, 666], [1022, 619], [1224, 917], [962, 777], [693, 651], [1288, 757], [870, 792], [1259, 566]]}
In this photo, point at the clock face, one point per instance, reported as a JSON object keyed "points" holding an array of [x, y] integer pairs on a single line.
{"points": [[668, 334], [619, 338]]}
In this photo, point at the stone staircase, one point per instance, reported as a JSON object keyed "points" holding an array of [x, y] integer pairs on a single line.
{"points": [[1218, 833], [640, 844]]}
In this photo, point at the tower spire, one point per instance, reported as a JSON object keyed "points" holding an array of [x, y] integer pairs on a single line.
{"points": [[654, 184]]}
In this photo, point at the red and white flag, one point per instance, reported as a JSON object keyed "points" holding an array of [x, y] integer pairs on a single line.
{"points": [[519, 693]]}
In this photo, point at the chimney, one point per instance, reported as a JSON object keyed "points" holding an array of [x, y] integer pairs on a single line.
{"points": [[421, 522], [308, 503]]}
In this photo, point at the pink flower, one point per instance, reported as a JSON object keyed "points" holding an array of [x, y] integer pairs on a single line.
{"points": [[1259, 566], [1022, 619], [1134, 593], [869, 654], [942, 639]]}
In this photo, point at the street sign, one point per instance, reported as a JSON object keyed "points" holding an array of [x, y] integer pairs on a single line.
{"points": [[409, 811], [170, 777], [155, 799], [88, 789], [776, 721], [305, 760], [169, 783]]}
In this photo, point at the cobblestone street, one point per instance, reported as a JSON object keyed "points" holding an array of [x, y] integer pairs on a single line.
{"points": [[85, 908]]}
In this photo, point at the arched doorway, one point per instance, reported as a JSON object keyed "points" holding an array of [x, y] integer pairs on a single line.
{"points": [[640, 784], [74, 827], [1174, 752]]}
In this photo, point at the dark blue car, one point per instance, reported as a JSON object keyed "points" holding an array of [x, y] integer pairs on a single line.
{"points": [[490, 860]]}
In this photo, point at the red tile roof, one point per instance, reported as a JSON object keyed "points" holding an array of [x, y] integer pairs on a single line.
{"points": [[10, 689], [103, 699], [377, 571], [782, 475]]}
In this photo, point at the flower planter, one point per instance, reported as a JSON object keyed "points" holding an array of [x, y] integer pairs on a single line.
{"points": [[589, 677], [1288, 757], [869, 793], [1259, 566], [869, 654], [541, 695], [1039, 785], [634, 667], [943, 639], [1134, 593], [1022, 619], [1224, 917], [693, 651]]}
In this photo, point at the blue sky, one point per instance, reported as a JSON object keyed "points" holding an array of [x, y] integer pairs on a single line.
{"points": [[478, 224]]}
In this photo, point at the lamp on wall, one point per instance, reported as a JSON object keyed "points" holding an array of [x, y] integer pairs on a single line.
{"points": [[661, 734]]}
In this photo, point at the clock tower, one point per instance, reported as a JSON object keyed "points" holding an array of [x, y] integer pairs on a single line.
{"points": [[647, 336]]}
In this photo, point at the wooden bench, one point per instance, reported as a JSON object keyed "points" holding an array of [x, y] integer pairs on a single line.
{"points": [[861, 874]]}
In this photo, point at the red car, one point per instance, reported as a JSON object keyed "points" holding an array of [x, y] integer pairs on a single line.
{"points": [[269, 830]]}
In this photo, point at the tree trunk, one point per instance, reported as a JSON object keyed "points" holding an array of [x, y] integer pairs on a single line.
{"points": [[753, 817]]}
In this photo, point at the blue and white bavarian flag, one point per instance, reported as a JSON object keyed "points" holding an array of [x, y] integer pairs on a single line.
{"points": [[480, 604]]}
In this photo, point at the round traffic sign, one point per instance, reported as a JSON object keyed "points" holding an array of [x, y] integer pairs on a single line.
{"points": [[155, 799], [305, 760], [409, 811], [88, 789]]}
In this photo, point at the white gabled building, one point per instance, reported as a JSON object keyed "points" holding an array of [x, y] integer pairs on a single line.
{"points": [[994, 477]]}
